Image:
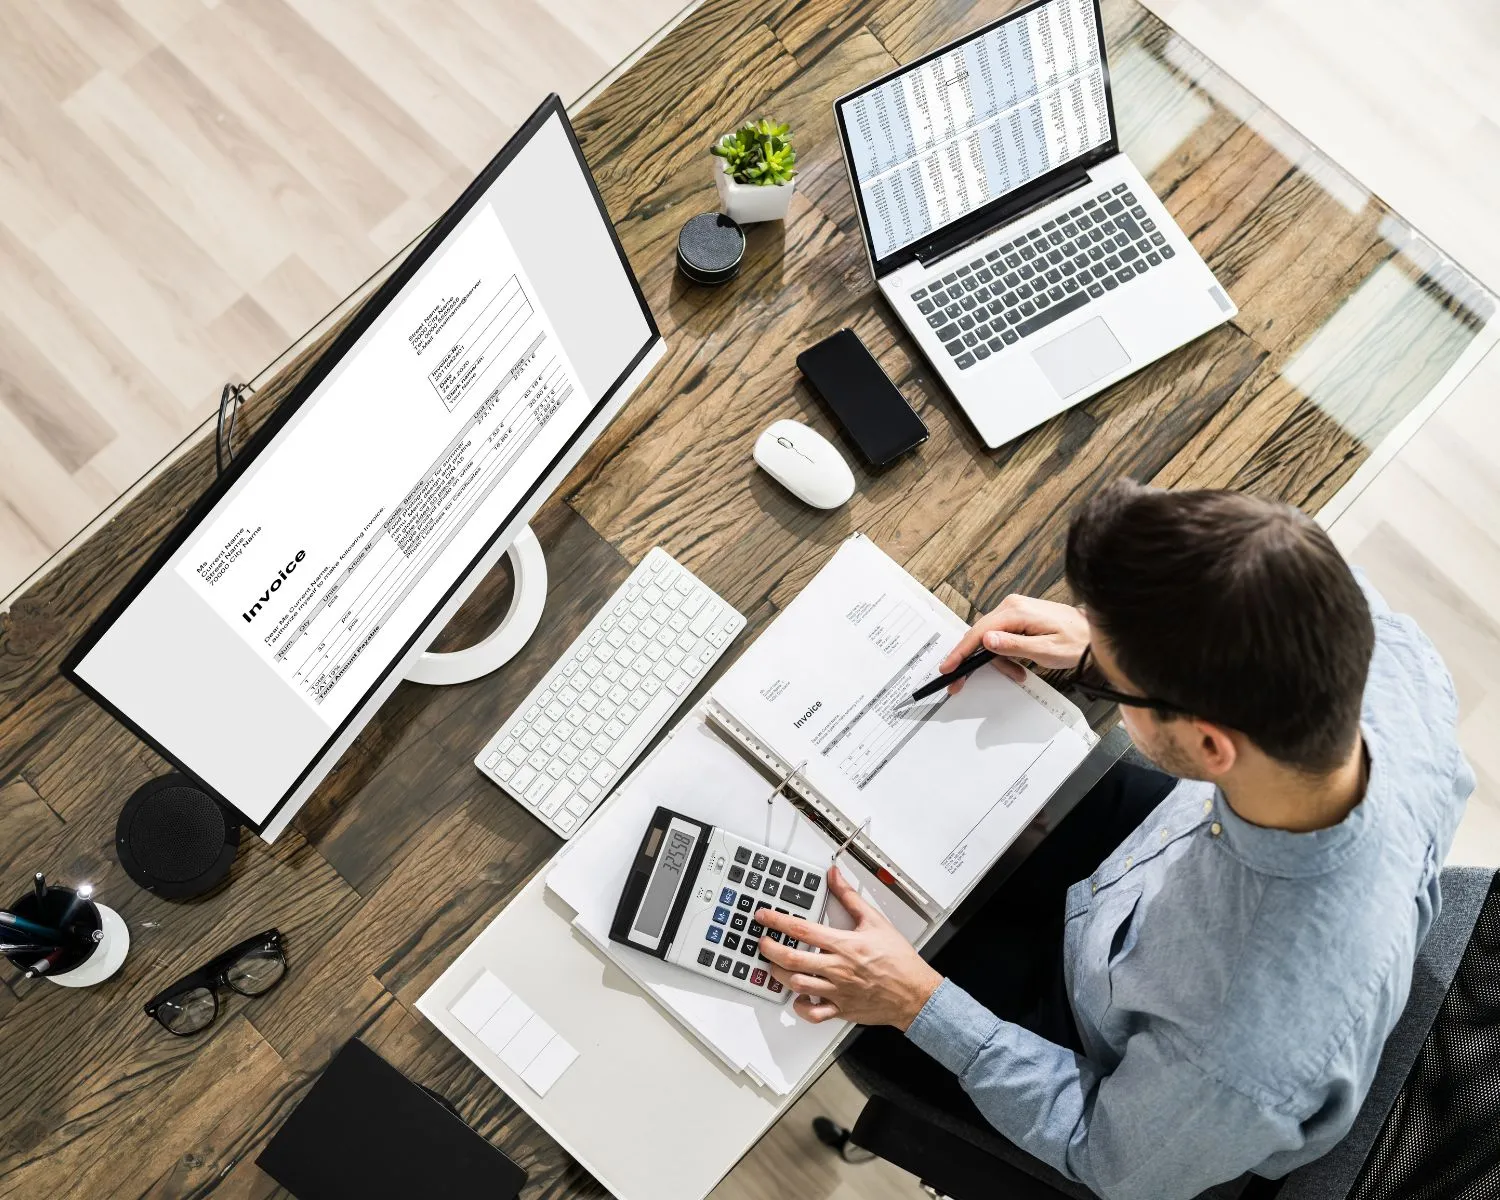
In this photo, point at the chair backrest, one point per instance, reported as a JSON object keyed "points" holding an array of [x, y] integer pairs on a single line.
{"points": [[1430, 1127]]}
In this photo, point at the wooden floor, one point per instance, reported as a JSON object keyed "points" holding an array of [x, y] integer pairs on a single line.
{"points": [[127, 1112], [187, 185]]}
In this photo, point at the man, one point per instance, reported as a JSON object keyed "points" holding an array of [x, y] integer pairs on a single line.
{"points": [[1210, 996]]}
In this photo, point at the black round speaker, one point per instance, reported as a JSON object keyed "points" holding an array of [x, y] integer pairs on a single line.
{"points": [[175, 839], [709, 249]]}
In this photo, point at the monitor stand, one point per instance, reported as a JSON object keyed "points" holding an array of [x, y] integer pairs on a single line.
{"points": [[528, 598]]}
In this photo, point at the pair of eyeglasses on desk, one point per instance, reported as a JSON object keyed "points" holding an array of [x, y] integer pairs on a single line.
{"points": [[191, 1005], [1078, 680]]}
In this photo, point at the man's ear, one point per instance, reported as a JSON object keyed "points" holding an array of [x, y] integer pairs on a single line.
{"points": [[1214, 747]]}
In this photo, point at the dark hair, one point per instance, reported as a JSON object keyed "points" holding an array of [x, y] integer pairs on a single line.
{"points": [[1237, 609]]}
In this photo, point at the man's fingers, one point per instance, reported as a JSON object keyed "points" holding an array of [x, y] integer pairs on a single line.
{"points": [[806, 985], [809, 1008], [823, 936], [792, 960]]}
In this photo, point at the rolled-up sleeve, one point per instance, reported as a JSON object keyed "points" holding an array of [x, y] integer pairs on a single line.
{"points": [[1155, 1128]]}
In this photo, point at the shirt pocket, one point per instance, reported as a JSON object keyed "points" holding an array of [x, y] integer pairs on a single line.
{"points": [[1108, 938]]}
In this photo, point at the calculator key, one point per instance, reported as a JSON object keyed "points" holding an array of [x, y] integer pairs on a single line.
{"points": [[746, 903], [789, 942], [720, 915], [727, 896], [774, 935], [736, 874], [738, 921], [714, 934], [770, 888], [742, 855], [794, 874], [793, 896], [756, 928], [705, 958], [757, 976], [777, 868], [731, 941], [741, 970], [752, 881], [773, 986], [812, 881], [724, 963], [750, 947], [760, 862]]}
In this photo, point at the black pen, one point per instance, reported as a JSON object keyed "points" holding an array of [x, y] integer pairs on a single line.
{"points": [[962, 671]]}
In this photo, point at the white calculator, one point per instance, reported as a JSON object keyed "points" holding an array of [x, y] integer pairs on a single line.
{"points": [[693, 894]]}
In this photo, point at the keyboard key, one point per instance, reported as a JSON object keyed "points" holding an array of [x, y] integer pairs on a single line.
{"points": [[1119, 187], [757, 976], [1154, 259], [737, 922], [714, 934], [996, 344], [773, 986], [812, 881], [751, 948], [727, 896], [760, 862], [736, 874], [721, 916], [705, 958], [756, 929], [964, 361], [771, 884], [1168, 252], [1124, 274], [724, 963], [752, 881], [794, 896], [981, 351], [1096, 290], [731, 941], [925, 306], [746, 903], [1110, 283], [741, 970]]}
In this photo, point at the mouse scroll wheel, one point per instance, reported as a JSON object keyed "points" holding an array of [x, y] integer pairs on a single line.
{"points": [[781, 441]]}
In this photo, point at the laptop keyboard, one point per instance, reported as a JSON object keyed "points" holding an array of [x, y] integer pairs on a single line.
{"points": [[1042, 275]]}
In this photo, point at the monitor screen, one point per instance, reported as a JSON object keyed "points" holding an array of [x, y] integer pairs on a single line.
{"points": [[247, 647], [935, 142]]}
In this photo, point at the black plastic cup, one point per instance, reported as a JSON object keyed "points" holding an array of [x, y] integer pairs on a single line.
{"points": [[63, 909]]}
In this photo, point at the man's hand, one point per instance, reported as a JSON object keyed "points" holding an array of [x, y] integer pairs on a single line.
{"points": [[1043, 632], [869, 974]]}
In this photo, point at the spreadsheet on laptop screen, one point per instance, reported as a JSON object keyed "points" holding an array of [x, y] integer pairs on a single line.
{"points": [[934, 143]]}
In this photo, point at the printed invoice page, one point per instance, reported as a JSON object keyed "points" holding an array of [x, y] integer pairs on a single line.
{"points": [[936, 142], [945, 785], [287, 605]]}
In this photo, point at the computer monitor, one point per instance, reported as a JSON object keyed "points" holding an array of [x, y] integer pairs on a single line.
{"points": [[289, 603]]}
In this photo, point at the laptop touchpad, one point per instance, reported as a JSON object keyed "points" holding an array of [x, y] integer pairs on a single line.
{"points": [[1080, 357]]}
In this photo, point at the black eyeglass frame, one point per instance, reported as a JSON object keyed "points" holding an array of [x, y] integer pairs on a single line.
{"points": [[213, 976], [1078, 681]]}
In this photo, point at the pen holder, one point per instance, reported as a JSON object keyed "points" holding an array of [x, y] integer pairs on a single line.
{"points": [[100, 933]]}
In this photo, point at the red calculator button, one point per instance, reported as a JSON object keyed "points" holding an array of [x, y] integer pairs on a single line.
{"points": [[757, 977], [773, 986]]}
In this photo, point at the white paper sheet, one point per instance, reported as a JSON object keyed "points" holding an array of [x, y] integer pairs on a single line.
{"points": [[946, 785], [516, 1035], [697, 774]]}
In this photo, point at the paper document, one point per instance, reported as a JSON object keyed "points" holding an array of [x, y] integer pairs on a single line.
{"points": [[695, 773], [945, 785], [514, 1033], [461, 397]]}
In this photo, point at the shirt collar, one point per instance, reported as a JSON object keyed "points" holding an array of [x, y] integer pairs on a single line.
{"points": [[1298, 855]]}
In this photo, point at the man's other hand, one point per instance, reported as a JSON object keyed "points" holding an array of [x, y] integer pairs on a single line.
{"points": [[869, 974], [1024, 629]]}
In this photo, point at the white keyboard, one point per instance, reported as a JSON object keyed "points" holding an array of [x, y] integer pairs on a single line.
{"points": [[585, 723]]}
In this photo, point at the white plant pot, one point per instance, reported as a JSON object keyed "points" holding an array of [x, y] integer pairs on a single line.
{"points": [[750, 202]]}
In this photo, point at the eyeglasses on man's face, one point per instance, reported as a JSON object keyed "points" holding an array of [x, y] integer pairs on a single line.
{"points": [[1079, 681]]}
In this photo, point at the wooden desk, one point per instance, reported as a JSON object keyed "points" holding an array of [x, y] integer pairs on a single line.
{"points": [[1347, 323]]}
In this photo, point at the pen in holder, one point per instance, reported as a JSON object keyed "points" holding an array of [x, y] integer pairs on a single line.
{"points": [[64, 935]]}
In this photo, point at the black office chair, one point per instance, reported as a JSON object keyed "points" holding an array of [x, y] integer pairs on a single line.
{"points": [[1429, 1128]]}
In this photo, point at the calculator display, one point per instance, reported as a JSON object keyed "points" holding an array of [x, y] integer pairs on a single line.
{"points": [[663, 886]]}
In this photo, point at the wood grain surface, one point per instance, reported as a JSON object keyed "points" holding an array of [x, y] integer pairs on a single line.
{"points": [[406, 851]]}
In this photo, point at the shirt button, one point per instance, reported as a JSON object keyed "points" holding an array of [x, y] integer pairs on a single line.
{"points": [[1129, 861], [1163, 835], [1216, 829], [1096, 889], [1208, 806]]}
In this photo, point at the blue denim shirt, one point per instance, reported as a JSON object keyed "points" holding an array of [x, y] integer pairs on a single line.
{"points": [[1236, 1021]]}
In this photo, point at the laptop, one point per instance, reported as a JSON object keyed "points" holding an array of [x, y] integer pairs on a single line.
{"points": [[1020, 248]]}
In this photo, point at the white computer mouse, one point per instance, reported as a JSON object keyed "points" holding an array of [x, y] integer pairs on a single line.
{"points": [[806, 463]]}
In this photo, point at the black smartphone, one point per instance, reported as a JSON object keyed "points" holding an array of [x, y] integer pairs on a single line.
{"points": [[871, 409]]}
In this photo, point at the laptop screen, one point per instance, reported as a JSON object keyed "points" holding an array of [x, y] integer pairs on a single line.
{"points": [[958, 130]]}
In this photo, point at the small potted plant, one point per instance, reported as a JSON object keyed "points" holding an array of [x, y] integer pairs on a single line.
{"points": [[755, 176]]}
